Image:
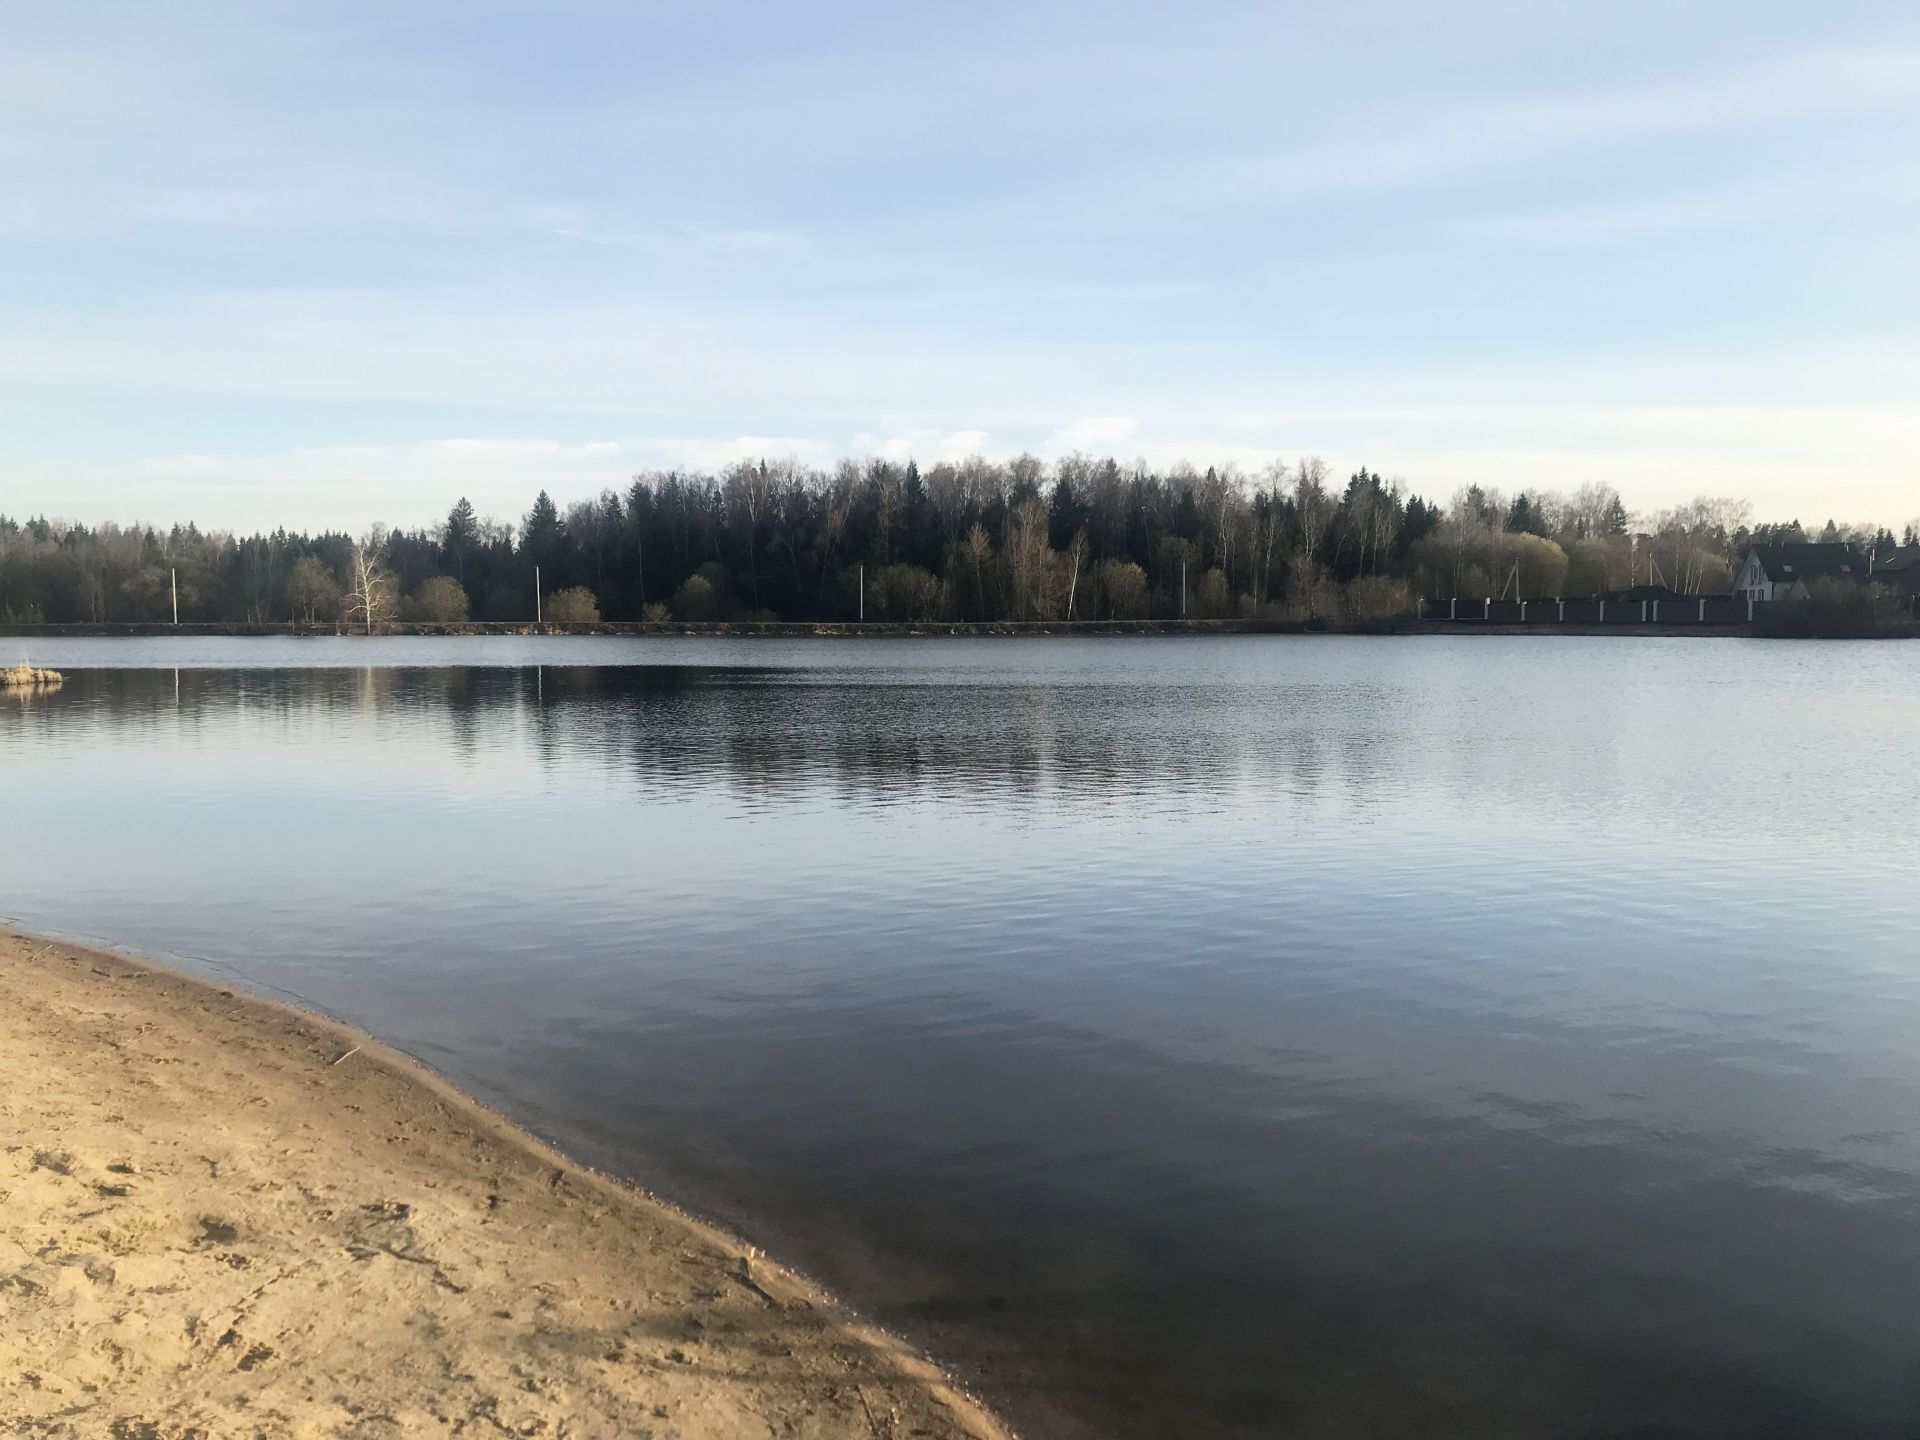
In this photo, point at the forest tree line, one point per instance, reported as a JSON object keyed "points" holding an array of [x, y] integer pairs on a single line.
{"points": [[1081, 538]]}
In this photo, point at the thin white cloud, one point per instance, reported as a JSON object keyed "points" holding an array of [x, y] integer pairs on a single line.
{"points": [[1424, 142], [336, 487], [682, 239], [971, 300], [1096, 432], [922, 445], [1766, 202], [717, 452]]}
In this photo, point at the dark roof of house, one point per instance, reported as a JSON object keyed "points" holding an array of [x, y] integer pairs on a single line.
{"points": [[1787, 563], [1905, 560]]}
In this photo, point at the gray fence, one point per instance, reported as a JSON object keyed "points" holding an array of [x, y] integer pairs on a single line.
{"points": [[1551, 611]]}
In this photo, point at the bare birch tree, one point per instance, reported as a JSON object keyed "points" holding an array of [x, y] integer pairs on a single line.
{"points": [[370, 593], [1076, 558], [1311, 505]]}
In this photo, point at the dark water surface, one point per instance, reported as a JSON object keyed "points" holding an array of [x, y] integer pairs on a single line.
{"points": [[1237, 1037]]}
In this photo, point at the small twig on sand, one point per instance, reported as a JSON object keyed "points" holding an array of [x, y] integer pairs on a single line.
{"points": [[872, 1419], [351, 1053]]}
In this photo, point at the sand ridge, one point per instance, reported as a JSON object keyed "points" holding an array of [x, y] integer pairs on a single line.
{"points": [[221, 1216]]}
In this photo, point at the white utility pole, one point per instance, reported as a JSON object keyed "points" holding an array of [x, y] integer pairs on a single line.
{"points": [[863, 594], [174, 581], [536, 597]]}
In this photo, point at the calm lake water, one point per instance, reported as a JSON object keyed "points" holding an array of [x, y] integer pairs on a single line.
{"points": [[1202, 1037]]}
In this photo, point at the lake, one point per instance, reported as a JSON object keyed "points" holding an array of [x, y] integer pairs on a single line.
{"points": [[1252, 1036]]}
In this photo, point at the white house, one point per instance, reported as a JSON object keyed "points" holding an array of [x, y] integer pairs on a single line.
{"points": [[1787, 572]]}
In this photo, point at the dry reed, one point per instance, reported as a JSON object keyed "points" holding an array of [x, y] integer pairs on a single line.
{"points": [[27, 677]]}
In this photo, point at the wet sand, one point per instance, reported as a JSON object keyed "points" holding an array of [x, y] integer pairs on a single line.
{"points": [[221, 1216]]}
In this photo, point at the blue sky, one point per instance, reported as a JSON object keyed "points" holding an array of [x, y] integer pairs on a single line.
{"points": [[324, 264]]}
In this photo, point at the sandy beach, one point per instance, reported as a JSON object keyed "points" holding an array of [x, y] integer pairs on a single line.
{"points": [[221, 1216]]}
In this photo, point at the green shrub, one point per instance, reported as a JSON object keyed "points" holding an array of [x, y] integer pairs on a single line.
{"points": [[903, 593], [695, 600], [575, 605], [440, 598]]}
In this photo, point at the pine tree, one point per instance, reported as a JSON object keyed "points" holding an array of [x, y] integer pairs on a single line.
{"points": [[542, 536], [463, 529], [1066, 515]]}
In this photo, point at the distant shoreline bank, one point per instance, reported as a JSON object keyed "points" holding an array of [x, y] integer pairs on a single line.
{"points": [[838, 630], [795, 629], [880, 630]]}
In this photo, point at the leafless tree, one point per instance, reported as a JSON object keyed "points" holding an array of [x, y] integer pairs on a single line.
{"points": [[370, 599], [1311, 505], [975, 549], [1076, 558], [311, 591], [1030, 560], [1386, 517]]}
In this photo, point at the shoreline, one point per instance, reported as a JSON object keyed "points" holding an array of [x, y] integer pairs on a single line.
{"points": [[742, 629], [797, 630], [982, 630], [230, 1214]]}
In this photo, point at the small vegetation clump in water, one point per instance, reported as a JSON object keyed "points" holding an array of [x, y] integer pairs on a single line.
{"points": [[25, 677]]}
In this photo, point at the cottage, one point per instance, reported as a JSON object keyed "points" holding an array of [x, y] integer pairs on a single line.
{"points": [[1788, 572], [1898, 572]]}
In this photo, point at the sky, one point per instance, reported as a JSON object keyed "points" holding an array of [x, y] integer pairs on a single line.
{"points": [[325, 264]]}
